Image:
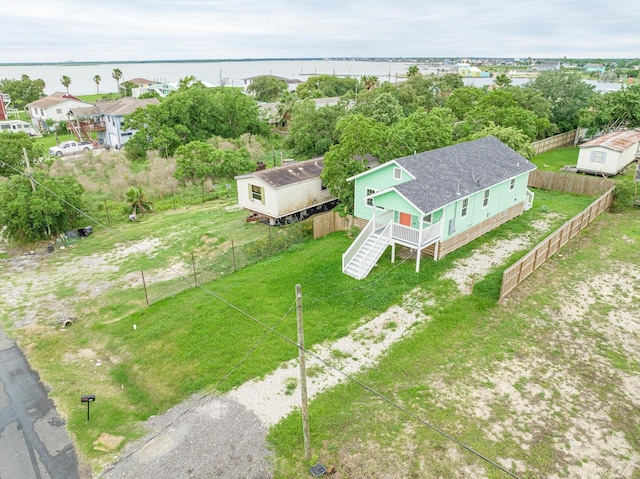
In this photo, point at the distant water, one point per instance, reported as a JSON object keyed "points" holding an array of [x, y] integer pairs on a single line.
{"points": [[220, 72], [228, 72]]}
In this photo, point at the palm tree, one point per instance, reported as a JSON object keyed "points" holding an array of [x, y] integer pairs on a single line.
{"points": [[137, 200], [370, 82], [66, 81], [286, 102], [117, 74], [96, 80]]}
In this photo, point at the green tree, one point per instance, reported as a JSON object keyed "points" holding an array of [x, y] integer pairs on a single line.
{"points": [[22, 91], [117, 75], [312, 130], [359, 136], [66, 81], [463, 100], [267, 88], [445, 85], [126, 88], [510, 136], [416, 92], [322, 86], [568, 95], [200, 161], [382, 107], [612, 110], [51, 209], [12, 155], [196, 113], [420, 131], [97, 80]]}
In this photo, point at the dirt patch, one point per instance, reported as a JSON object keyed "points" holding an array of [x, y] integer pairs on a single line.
{"points": [[469, 270], [107, 442]]}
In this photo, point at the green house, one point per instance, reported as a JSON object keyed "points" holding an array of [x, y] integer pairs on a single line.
{"points": [[437, 201]]}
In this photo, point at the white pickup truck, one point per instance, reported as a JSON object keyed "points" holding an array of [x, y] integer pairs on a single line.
{"points": [[70, 148]]}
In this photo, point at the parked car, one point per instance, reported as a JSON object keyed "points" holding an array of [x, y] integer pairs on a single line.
{"points": [[70, 148]]}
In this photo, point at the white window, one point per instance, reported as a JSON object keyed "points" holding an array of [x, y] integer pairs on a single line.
{"points": [[465, 208], [59, 111], [256, 193], [598, 156], [485, 199], [397, 174], [369, 191], [512, 184], [427, 219]]}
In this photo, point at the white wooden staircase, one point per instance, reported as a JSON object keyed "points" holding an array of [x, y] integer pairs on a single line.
{"points": [[368, 247]]}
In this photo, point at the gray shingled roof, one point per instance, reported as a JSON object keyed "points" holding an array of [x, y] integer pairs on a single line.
{"points": [[289, 174], [442, 176]]}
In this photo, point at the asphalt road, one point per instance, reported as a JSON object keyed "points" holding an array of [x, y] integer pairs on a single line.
{"points": [[34, 442]]}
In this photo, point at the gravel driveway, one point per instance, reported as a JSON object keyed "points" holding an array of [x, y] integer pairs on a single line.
{"points": [[212, 437]]}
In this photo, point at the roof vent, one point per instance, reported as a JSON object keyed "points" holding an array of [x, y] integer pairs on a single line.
{"points": [[458, 192]]}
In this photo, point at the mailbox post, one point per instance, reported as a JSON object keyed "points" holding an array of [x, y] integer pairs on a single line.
{"points": [[89, 398]]}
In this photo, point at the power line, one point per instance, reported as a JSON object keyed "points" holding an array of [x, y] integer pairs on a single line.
{"points": [[272, 330]]}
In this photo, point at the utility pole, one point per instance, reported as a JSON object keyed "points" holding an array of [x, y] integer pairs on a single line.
{"points": [[303, 376], [26, 159]]}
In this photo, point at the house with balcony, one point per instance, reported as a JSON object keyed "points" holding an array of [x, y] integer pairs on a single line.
{"points": [[53, 107], [103, 123], [436, 201]]}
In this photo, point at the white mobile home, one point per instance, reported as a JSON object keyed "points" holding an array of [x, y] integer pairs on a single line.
{"points": [[609, 154], [285, 193], [17, 126]]}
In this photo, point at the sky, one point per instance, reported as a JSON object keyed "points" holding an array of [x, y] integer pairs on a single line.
{"points": [[134, 30]]}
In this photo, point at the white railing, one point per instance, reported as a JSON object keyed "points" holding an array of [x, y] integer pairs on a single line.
{"points": [[406, 234], [383, 220], [414, 237], [529, 200], [376, 223], [431, 234], [367, 263]]}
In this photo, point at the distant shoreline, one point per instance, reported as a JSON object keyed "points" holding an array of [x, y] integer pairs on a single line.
{"points": [[230, 60]]}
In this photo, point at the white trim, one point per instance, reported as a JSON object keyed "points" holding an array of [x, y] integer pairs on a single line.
{"points": [[383, 165], [464, 208]]}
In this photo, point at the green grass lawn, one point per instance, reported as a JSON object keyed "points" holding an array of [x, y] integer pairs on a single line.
{"points": [[555, 159], [469, 337], [188, 342]]}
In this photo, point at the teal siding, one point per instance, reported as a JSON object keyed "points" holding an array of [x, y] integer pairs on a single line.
{"points": [[377, 180], [500, 199]]}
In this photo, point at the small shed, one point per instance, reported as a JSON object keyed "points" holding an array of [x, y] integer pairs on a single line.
{"points": [[285, 193], [610, 153]]}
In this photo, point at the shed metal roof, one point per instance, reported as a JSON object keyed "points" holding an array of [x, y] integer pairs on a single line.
{"points": [[289, 174], [615, 140]]}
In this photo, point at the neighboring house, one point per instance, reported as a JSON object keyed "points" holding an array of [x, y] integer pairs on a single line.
{"points": [[5, 99], [437, 201], [285, 193], [595, 68], [292, 84], [546, 67], [141, 86], [609, 154], [106, 119], [54, 107], [269, 112], [163, 89]]}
